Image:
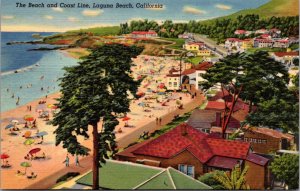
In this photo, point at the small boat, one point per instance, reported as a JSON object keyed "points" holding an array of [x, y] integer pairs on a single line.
{"points": [[16, 71]]}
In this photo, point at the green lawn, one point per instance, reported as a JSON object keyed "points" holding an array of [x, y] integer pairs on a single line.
{"points": [[294, 46], [178, 45], [196, 60]]}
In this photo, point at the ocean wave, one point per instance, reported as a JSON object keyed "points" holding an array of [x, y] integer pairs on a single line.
{"points": [[19, 70]]}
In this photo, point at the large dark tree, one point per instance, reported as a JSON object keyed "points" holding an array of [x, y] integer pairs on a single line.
{"points": [[96, 90], [286, 168], [281, 111], [251, 78]]}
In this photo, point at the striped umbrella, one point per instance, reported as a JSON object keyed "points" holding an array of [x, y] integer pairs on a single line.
{"points": [[28, 118]]}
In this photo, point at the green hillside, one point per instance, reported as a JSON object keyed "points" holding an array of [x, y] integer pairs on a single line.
{"points": [[277, 8], [102, 31]]}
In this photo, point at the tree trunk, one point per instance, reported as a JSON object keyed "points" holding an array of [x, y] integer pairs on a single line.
{"points": [[225, 122], [95, 157], [250, 106]]}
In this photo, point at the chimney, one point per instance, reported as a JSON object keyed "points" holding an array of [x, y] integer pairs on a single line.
{"points": [[183, 130], [218, 119]]}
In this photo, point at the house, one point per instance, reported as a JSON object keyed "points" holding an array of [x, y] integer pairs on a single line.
{"points": [[195, 153], [204, 52], [266, 36], [264, 140], [286, 57], [282, 43], [117, 175], [233, 42], [263, 43], [247, 43], [201, 69], [275, 33], [186, 35], [173, 79], [144, 34], [240, 32], [261, 31], [193, 46]]}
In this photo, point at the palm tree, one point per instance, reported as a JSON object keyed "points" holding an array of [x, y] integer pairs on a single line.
{"points": [[235, 180]]}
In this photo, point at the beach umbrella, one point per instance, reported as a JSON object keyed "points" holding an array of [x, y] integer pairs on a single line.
{"points": [[29, 142], [28, 118], [52, 106], [4, 156], [27, 134], [126, 118], [142, 104], [9, 126], [35, 150], [40, 134], [26, 165], [15, 121], [161, 85]]}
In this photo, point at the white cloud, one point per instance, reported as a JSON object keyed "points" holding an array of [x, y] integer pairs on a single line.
{"points": [[57, 9], [135, 19], [8, 17], [223, 7], [91, 13], [193, 10], [72, 19], [49, 17]]}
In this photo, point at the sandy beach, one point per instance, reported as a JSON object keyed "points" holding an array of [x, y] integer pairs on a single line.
{"points": [[142, 118]]}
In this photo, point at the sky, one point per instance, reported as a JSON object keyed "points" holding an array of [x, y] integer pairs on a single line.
{"points": [[63, 19]]}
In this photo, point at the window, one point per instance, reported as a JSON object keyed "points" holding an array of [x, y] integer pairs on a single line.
{"points": [[170, 83], [187, 169], [259, 140], [254, 140], [245, 139], [182, 168], [175, 83], [190, 170]]}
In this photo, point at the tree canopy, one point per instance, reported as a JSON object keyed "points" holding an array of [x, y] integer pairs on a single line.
{"points": [[286, 168], [251, 77], [96, 90]]}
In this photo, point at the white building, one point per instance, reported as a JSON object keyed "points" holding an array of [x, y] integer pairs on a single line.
{"points": [[286, 57], [233, 42], [201, 69], [263, 43], [173, 80]]}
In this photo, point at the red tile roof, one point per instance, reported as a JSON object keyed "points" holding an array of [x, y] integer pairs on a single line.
{"points": [[264, 40], [202, 147], [222, 162], [265, 35], [282, 54], [240, 31], [271, 132], [215, 105], [203, 66], [257, 159], [234, 39], [228, 148], [188, 71]]}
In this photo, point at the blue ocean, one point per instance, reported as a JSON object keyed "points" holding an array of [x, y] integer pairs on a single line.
{"points": [[38, 71]]}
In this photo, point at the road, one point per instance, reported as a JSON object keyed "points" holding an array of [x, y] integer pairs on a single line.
{"points": [[221, 51]]}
